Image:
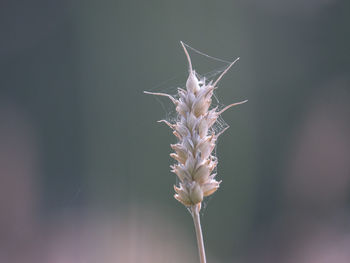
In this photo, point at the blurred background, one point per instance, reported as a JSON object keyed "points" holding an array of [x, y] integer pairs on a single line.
{"points": [[84, 167]]}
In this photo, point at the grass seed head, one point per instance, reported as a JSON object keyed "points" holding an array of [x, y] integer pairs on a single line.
{"points": [[196, 139]]}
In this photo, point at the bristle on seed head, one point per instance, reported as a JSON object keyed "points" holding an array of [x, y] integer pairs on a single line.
{"points": [[188, 57]]}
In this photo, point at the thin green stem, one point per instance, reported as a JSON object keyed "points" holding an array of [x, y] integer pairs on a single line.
{"points": [[197, 225]]}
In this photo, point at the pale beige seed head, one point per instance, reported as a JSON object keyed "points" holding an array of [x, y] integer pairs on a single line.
{"points": [[196, 139]]}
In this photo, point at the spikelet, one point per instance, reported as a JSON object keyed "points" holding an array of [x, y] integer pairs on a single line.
{"points": [[196, 139]]}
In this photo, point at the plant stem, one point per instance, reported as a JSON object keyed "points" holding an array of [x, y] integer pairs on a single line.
{"points": [[197, 226]]}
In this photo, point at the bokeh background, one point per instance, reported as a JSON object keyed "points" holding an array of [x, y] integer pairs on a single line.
{"points": [[84, 167]]}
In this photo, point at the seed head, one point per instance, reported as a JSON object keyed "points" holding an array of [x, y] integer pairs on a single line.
{"points": [[196, 140]]}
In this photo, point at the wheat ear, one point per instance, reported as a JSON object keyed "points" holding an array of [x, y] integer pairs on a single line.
{"points": [[196, 142]]}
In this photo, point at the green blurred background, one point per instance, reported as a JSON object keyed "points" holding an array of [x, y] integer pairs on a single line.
{"points": [[85, 167]]}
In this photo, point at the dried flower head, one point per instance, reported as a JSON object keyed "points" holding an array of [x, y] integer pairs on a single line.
{"points": [[196, 140]]}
